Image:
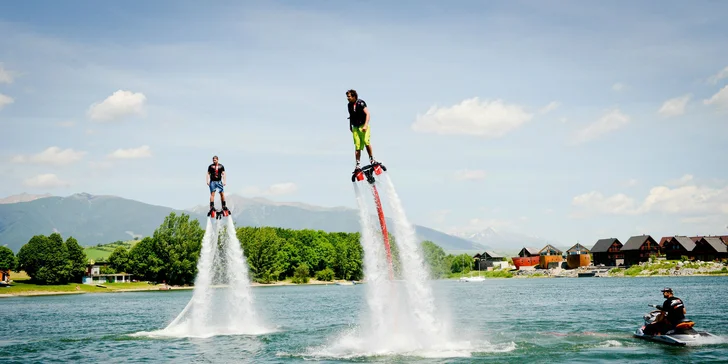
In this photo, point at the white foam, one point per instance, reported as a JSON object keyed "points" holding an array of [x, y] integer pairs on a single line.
{"points": [[402, 319], [222, 302]]}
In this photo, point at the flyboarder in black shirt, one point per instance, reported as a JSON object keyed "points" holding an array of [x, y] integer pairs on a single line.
{"points": [[216, 180], [359, 126]]}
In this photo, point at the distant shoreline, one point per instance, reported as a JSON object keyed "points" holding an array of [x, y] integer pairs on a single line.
{"points": [[159, 287], [151, 288]]}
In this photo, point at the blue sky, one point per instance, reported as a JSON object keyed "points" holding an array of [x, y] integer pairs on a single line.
{"points": [[567, 120]]}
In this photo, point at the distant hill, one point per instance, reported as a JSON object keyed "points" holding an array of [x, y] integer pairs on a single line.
{"points": [[96, 220], [23, 197], [101, 252], [88, 218], [509, 243]]}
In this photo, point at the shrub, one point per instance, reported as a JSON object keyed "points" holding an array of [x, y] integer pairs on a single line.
{"points": [[325, 275], [300, 275]]}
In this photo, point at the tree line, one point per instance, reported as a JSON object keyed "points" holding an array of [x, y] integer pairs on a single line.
{"points": [[170, 255]]}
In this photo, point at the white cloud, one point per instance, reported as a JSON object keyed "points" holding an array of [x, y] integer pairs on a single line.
{"points": [[682, 181], [5, 100], [682, 199], [121, 103], [674, 106], [617, 87], [486, 118], [45, 181], [467, 174], [610, 122], [276, 189], [689, 199], [132, 153], [719, 76], [720, 99], [550, 107], [596, 202], [52, 155], [5, 75]]}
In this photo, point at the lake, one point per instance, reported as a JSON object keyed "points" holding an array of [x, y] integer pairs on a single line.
{"points": [[586, 320]]}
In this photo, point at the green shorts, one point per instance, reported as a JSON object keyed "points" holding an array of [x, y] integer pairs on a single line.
{"points": [[361, 138]]}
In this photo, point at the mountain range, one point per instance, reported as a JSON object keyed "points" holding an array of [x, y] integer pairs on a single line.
{"points": [[99, 219], [506, 242]]}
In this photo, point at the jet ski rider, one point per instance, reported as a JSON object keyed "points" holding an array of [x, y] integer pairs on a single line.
{"points": [[673, 311]]}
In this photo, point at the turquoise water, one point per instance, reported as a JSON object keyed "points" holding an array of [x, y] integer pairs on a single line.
{"points": [[585, 320]]}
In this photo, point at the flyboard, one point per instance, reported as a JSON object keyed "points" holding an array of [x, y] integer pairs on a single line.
{"points": [[215, 214], [369, 172]]}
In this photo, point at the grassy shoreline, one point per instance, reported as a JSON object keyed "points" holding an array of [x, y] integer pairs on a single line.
{"points": [[22, 286]]}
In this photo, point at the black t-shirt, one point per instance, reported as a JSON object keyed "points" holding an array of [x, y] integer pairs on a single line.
{"points": [[215, 172], [357, 117], [674, 307]]}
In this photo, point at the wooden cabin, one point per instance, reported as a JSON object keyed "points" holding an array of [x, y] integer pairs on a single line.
{"points": [[527, 257], [640, 248], [578, 256], [487, 259], [675, 247], [550, 257], [710, 248], [608, 252]]}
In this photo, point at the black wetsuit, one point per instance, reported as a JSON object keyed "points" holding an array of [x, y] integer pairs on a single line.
{"points": [[673, 306], [357, 117]]}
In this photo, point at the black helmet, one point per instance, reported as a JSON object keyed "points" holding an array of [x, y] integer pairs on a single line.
{"points": [[666, 289]]}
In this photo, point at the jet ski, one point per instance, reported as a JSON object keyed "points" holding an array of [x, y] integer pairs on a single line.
{"points": [[683, 334]]}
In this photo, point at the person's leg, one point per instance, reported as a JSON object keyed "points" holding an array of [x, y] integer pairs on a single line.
{"points": [[212, 195], [222, 195], [368, 145], [358, 143]]}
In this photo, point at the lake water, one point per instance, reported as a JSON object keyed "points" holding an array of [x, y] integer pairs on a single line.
{"points": [[585, 320]]}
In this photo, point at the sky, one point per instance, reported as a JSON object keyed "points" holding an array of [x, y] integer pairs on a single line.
{"points": [[566, 120]]}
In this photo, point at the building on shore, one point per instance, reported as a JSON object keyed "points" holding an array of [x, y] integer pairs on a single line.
{"points": [[550, 257], [710, 248], [608, 252], [577, 256], [489, 259], [527, 257], [640, 248], [675, 247]]}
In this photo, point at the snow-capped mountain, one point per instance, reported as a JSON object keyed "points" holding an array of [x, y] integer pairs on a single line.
{"points": [[506, 241]]}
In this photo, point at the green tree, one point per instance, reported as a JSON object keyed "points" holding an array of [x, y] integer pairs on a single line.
{"points": [[119, 259], [261, 246], [144, 262], [177, 243], [8, 261], [76, 259], [435, 259]]}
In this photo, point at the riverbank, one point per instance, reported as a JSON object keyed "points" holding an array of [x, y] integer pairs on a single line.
{"points": [[23, 288]]}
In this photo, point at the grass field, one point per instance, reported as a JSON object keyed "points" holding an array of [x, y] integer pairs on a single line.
{"points": [[21, 286], [101, 252]]}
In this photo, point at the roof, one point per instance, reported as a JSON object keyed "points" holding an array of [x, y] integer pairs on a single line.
{"points": [[529, 250], [602, 245], [578, 248], [491, 254], [635, 242], [686, 242], [717, 244], [550, 247]]}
